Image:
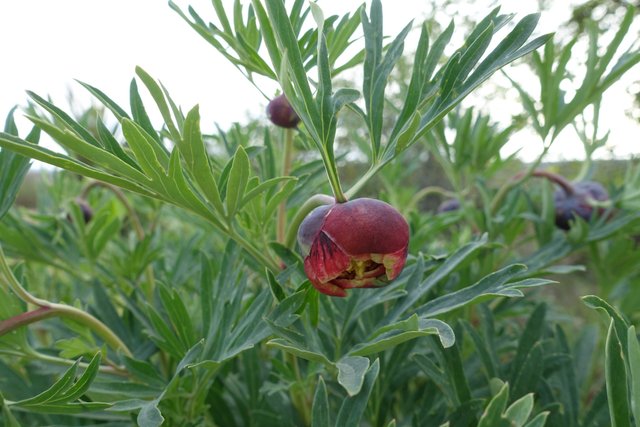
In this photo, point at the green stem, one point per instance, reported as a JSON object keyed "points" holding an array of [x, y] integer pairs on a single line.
{"points": [[112, 370], [298, 397], [311, 203], [286, 169], [92, 323], [430, 190], [334, 181], [257, 255], [15, 286], [373, 169]]}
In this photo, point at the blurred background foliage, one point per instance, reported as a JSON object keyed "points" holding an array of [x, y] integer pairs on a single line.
{"points": [[548, 345]]}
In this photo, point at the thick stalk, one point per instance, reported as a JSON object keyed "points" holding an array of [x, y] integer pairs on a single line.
{"points": [[286, 169], [69, 312], [311, 203], [23, 319], [48, 309], [561, 181]]}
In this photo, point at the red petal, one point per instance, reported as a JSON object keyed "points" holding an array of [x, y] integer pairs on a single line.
{"points": [[393, 262], [326, 260]]}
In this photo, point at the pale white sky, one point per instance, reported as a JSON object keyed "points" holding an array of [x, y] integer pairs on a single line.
{"points": [[47, 44]]}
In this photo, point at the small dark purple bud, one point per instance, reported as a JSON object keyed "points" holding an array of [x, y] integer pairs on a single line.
{"points": [[449, 205], [87, 212], [281, 113]]}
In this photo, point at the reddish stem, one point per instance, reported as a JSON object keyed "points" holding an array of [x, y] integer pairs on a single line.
{"points": [[23, 319], [559, 180]]}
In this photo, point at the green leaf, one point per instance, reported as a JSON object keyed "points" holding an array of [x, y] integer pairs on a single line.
{"points": [[139, 113], [519, 411], [71, 125], [282, 194], [377, 70], [276, 288], [539, 420], [70, 408], [621, 325], [268, 34], [320, 416], [250, 328], [59, 387], [152, 161], [61, 397], [634, 377], [7, 416], [81, 385], [353, 407], [433, 372], [288, 43], [492, 415], [495, 284], [98, 155], [414, 327], [13, 169], [178, 315], [530, 336], [149, 415], [264, 187], [452, 91], [419, 289], [616, 380], [237, 182], [112, 145], [193, 150], [452, 361], [298, 351], [106, 101], [159, 97], [351, 372], [529, 374], [484, 349], [162, 333]]}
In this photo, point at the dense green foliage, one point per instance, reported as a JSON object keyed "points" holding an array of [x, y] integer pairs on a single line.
{"points": [[183, 300]]}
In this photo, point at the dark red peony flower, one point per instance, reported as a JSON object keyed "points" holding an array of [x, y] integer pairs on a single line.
{"points": [[357, 244], [281, 113], [578, 202]]}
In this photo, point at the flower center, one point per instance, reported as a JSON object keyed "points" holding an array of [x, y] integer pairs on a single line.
{"points": [[363, 270]]}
